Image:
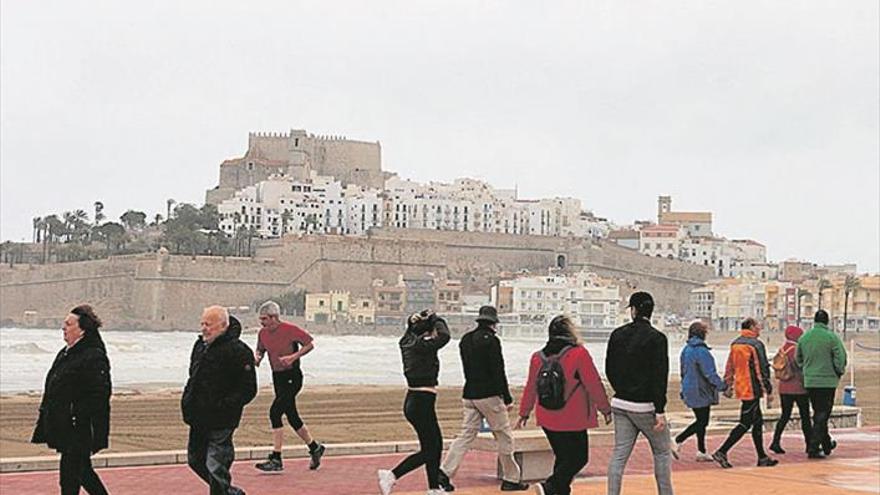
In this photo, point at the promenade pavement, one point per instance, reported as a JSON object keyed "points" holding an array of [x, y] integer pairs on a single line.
{"points": [[853, 468]]}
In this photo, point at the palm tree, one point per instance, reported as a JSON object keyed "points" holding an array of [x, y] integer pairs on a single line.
{"points": [[168, 204], [99, 208], [849, 286], [38, 221], [823, 284], [69, 221]]}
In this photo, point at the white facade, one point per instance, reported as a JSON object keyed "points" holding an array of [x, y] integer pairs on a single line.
{"points": [[588, 299], [663, 241]]}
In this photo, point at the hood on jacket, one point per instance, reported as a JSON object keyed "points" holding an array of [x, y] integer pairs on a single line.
{"points": [[793, 333], [697, 342], [751, 334]]}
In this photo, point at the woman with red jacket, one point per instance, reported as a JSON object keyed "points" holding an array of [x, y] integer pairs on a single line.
{"points": [[792, 391], [566, 415]]}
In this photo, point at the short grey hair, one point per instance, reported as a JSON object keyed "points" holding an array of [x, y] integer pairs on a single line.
{"points": [[270, 308]]}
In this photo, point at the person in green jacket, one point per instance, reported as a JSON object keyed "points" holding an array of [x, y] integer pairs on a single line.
{"points": [[822, 356]]}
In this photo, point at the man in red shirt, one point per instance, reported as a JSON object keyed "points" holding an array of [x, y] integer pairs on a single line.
{"points": [[285, 343]]}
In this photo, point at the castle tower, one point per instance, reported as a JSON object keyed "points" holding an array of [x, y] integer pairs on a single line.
{"points": [[664, 205]]}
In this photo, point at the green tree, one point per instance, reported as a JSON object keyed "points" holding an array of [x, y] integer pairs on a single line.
{"points": [[823, 284], [133, 220], [99, 212]]}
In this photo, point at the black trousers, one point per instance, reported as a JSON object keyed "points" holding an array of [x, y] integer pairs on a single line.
{"points": [[287, 384], [209, 454], [822, 400], [698, 428], [571, 450], [418, 407], [803, 403], [750, 417], [76, 471]]}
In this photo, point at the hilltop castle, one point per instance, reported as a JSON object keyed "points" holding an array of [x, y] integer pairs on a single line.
{"points": [[297, 154]]}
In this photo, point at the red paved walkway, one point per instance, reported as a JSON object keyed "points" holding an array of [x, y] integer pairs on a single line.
{"points": [[356, 475]]}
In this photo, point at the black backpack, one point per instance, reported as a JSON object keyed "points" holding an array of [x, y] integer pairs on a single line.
{"points": [[551, 381]]}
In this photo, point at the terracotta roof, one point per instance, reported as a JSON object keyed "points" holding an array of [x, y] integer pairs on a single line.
{"points": [[686, 216]]}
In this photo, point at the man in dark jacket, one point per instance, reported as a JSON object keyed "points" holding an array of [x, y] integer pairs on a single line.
{"points": [[221, 381], [75, 410], [637, 366], [485, 396]]}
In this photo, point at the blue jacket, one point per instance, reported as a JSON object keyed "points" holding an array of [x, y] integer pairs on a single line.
{"points": [[700, 382]]}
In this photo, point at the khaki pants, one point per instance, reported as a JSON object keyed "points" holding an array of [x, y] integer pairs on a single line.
{"points": [[495, 412]]}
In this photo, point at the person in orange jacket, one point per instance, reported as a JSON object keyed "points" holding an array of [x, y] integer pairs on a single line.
{"points": [[747, 375]]}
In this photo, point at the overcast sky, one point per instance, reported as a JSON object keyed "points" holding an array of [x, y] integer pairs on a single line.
{"points": [[765, 113]]}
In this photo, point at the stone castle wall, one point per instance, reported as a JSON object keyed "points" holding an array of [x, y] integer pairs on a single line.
{"points": [[159, 291]]}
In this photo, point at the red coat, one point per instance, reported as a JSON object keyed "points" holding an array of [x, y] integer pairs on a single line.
{"points": [[579, 412], [795, 386]]}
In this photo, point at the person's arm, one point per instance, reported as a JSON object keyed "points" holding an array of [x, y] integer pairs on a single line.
{"points": [[496, 368], [838, 355], [244, 388], [799, 357], [529, 393], [764, 368], [660, 380], [593, 384], [706, 365], [437, 339], [306, 342], [611, 361], [260, 351]]}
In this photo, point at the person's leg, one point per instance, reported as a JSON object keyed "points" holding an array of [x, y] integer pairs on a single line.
{"points": [[820, 399], [625, 434], [828, 401], [745, 422], [412, 411], [787, 402], [90, 480], [433, 441], [803, 405], [470, 426], [495, 412], [197, 454], [69, 472], [220, 454], [702, 414], [659, 443], [281, 384], [571, 449], [758, 430]]}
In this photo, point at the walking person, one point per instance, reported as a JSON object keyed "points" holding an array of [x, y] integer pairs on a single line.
{"points": [[221, 382], [75, 409], [286, 344], [426, 333], [637, 366], [747, 375], [700, 385], [791, 389], [485, 396], [566, 386], [822, 356]]}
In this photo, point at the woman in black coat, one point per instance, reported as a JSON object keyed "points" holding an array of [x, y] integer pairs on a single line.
{"points": [[75, 410]]}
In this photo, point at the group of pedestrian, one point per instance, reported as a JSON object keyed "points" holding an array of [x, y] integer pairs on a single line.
{"points": [[563, 387], [808, 367]]}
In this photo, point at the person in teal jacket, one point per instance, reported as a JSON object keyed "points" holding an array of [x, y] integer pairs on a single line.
{"points": [[822, 356]]}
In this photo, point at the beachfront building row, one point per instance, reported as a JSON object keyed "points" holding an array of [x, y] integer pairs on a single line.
{"points": [[321, 204], [726, 302]]}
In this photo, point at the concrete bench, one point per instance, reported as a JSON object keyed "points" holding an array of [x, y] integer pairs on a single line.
{"points": [[532, 451]]}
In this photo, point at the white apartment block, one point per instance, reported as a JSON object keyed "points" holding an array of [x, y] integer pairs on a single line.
{"points": [[663, 241], [590, 300]]}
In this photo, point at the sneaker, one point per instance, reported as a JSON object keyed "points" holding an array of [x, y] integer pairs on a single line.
{"points": [[704, 457], [316, 455], [767, 462], [721, 459], [815, 455], [539, 489], [443, 479], [386, 481], [436, 491], [775, 447], [510, 486], [674, 449], [271, 464], [831, 446]]}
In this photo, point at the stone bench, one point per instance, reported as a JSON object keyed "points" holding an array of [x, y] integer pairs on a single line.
{"points": [[532, 451]]}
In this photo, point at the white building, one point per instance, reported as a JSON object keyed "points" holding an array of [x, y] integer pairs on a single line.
{"points": [[590, 300], [663, 241]]}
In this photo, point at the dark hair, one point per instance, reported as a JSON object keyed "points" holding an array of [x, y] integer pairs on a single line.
{"points": [[749, 323], [562, 326], [698, 329], [645, 310], [88, 320], [421, 322], [821, 316]]}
